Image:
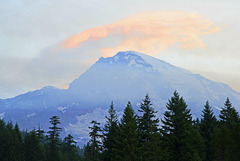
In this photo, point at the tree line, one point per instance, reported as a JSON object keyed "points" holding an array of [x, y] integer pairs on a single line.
{"points": [[137, 136], [16, 145], [178, 137]]}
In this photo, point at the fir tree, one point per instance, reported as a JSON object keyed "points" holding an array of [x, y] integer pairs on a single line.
{"points": [[10, 142], [235, 146], [54, 150], [69, 141], [17, 144], [4, 141], [228, 115], [228, 134], [180, 139], [111, 131], [34, 151], [93, 148], [196, 124], [147, 123], [148, 131], [40, 134], [128, 149], [207, 125], [221, 144], [69, 149]]}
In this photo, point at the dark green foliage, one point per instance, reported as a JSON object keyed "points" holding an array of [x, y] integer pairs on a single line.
{"points": [[221, 144], [235, 146], [11, 143], [28, 146], [148, 131], [146, 122], [207, 125], [40, 134], [180, 139], [53, 153], [17, 144], [228, 115], [128, 143], [111, 131], [196, 124], [93, 148], [69, 142], [54, 129], [69, 150], [4, 141], [226, 145], [34, 150]]}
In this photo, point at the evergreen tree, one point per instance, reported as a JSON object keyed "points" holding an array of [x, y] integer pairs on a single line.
{"points": [[196, 124], [180, 139], [228, 115], [148, 131], [111, 131], [227, 134], [40, 134], [221, 144], [16, 146], [128, 144], [54, 150], [10, 142], [69, 149], [34, 151], [93, 148], [146, 123], [4, 141], [235, 146], [207, 125]]}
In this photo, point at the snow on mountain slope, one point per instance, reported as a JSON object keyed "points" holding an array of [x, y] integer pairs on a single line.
{"points": [[127, 76]]}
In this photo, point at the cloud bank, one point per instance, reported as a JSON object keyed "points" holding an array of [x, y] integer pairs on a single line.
{"points": [[150, 32]]}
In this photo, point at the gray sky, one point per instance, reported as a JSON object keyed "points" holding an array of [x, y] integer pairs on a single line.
{"points": [[31, 31]]}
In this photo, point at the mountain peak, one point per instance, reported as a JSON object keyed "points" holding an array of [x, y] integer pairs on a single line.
{"points": [[129, 58]]}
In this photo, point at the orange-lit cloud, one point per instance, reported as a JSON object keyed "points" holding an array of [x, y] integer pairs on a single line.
{"points": [[64, 86], [150, 32]]}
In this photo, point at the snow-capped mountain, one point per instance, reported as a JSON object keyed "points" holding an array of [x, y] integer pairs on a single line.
{"points": [[127, 76]]}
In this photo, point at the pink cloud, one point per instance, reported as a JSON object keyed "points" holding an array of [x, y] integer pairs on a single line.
{"points": [[150, 32]]}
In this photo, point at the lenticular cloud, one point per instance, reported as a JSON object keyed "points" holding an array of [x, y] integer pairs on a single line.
{"points": [[149, 32]]}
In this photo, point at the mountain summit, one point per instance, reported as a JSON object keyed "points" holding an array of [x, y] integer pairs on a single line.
{"points": [[129, 58], [127, 76]]}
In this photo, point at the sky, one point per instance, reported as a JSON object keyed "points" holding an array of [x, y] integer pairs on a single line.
{"points": [[53, 42]]}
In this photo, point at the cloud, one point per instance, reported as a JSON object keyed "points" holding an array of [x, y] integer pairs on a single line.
{"points": [[150, 32]]}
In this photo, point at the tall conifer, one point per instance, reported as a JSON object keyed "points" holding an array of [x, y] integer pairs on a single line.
{"points": [[228, 115], [148, 131], [180, 139], [54, 149], [33, 148], [226, 143], [4, 141], [207, 125], [110, 135], [69, 149], [128, 143], [93, 148]]}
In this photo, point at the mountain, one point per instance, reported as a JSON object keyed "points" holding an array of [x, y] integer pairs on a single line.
{"points": [[127, 76]]}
